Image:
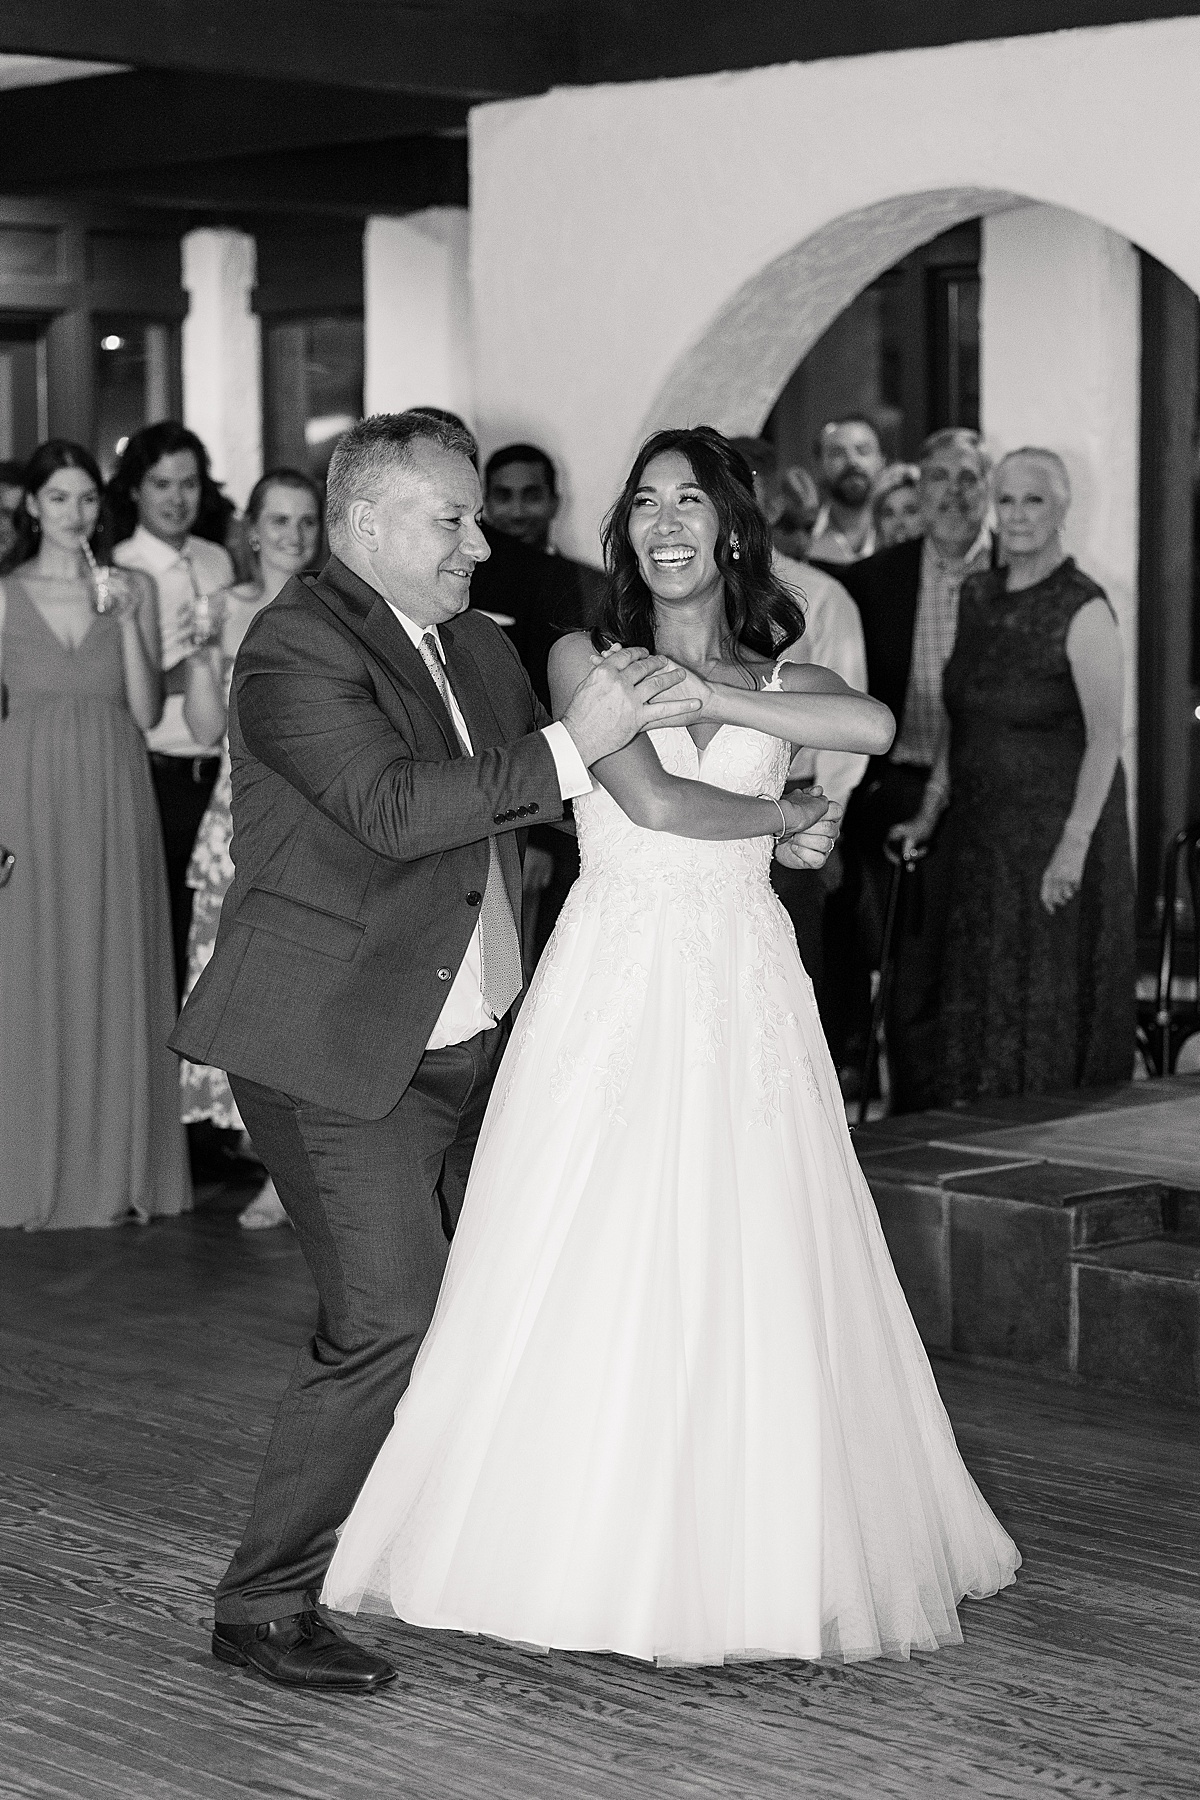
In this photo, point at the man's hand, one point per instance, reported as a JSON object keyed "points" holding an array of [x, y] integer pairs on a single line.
{"points": [[912, 834], [626, 692], [813, 826]]}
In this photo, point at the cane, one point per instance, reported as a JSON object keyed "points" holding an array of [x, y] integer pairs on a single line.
{"points": [[901, 866]]}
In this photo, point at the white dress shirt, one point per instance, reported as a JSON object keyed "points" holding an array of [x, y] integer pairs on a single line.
{"points": [[178, 576], [466, 1013], [833, 637], [830, 545]]}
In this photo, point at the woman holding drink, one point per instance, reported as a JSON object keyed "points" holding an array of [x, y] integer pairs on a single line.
{"points": [[89, 1128]]}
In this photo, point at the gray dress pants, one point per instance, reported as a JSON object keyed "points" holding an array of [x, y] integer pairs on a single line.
{"points": [[374, 1203]]}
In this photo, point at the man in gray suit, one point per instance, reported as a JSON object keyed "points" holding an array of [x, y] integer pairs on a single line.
{"points": [[388, 751]]}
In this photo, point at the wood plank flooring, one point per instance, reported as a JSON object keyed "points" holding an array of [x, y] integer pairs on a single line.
{"points": [[140, 1373]]}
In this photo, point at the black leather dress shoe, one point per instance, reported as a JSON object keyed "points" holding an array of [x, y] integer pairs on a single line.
{"points": [[304, 1651]]}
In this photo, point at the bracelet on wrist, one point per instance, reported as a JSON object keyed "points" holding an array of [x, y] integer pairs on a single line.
{"points": [[783, 824]]}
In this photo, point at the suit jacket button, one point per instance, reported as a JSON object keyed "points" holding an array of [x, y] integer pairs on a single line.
{"points": [[474, 897], [533, 806], [443, 974]]}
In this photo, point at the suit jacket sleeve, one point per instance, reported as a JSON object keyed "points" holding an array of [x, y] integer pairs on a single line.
{"points": [[306, 707]]}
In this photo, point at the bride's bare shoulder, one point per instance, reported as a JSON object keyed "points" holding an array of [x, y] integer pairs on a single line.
{"points": [[569, 661], [573, 651]]}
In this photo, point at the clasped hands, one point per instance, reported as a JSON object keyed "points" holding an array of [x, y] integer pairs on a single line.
{"points": [[629, 690]]}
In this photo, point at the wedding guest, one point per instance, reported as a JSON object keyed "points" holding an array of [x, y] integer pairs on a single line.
{"points": [[907, 597], [283, 532], [796, 508], [548, 592], [896, 505], [848, 461], [89, 1125], [1038, 983], [537, 594], [156, 498], [12, 492], [832, 638]]}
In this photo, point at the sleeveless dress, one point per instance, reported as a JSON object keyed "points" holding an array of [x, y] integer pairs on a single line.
{"points": [[89, 1112], [1031, 1001], [672, 1403]]}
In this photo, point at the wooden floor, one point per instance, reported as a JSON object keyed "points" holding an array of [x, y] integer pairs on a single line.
{"points": [[141, 1368]]}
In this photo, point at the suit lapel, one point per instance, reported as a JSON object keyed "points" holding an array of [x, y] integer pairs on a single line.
{"points": [[396, 650], [371, 619], [471, 692]]}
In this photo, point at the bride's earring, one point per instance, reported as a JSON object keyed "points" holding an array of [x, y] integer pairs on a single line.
{"points": [[735, 546]]}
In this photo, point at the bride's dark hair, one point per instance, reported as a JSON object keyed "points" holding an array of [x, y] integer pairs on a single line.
{"points": [[762, 613]]}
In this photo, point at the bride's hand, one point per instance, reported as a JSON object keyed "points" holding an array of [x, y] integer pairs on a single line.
{"points": [[693, 687]]}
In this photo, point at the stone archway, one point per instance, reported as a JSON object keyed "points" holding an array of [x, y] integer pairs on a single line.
{"points": [[732, 375]]}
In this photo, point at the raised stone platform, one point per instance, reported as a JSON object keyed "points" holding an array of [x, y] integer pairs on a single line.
{"points": [[1063, 1233]]}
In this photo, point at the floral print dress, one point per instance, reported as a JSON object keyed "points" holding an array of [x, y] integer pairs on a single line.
{"points": [[205, 1093]]}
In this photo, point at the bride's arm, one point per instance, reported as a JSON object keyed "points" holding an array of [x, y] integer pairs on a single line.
{"points": [[651, 797], [815, 708]]}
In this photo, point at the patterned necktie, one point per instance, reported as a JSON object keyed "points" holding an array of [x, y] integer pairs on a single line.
{"points": [[499, 943]]}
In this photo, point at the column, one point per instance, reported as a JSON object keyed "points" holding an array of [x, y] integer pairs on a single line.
{"points": [[417, 312], [1060, 367], [222, 355]]}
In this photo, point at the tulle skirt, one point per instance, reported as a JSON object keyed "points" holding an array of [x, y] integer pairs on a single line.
{"points": [[672, 1403]]}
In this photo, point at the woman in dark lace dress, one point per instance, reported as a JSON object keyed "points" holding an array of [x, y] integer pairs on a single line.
{"points": [[1038, 982]]}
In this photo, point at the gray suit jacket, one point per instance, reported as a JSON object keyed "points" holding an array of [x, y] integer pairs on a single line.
{"points": [[360, 840]]}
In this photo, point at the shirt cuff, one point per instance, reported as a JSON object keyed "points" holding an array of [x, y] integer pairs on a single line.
{"points": [[573, 778]]}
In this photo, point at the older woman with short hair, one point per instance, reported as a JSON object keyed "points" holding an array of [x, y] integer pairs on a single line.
{"points": [[1038, 982]]}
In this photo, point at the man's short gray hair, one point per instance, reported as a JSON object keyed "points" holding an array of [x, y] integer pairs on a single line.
{"points": [[370, 450], [1053, 464], [955, 437]]}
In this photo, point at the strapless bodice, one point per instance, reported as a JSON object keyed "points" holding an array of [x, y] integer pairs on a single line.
{"points": [[739, 760]]}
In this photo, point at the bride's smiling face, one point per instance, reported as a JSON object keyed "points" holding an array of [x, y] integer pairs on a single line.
{"points": [[673, 529]]}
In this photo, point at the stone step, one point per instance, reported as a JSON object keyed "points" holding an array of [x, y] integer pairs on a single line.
{"points": [[983, 1246], [1135, 1315]]}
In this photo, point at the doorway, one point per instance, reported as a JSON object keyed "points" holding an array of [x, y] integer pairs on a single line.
{"points": [[24, 406]]}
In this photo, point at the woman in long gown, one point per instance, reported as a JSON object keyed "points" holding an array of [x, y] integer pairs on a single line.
{"points": [[1038, 979], [672, 1403], [283, 518], [89, 1125]]}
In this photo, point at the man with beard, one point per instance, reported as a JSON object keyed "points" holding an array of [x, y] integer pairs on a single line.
{"points": [[908, 599], [849, 461]]}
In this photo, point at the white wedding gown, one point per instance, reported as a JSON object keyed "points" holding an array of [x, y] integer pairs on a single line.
{"points": [[672, 1402]]}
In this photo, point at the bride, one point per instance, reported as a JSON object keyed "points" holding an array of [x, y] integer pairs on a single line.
{"points": [[672, 1403]]}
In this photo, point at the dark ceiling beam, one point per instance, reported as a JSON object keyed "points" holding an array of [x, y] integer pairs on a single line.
{"points": [[75, 130], [353, 180], [640, 40], [472, 49]]}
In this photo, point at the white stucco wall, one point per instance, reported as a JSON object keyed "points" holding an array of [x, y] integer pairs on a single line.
{"points": [[416, 302], [672, 249], [222, 356], [1060, 366]]}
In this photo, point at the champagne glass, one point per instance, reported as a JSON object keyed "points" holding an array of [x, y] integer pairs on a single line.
{"points": [[103, 599], [208, 616]]}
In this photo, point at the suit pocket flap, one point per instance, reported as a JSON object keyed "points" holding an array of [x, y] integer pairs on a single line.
{"points": [[329, 934]]}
